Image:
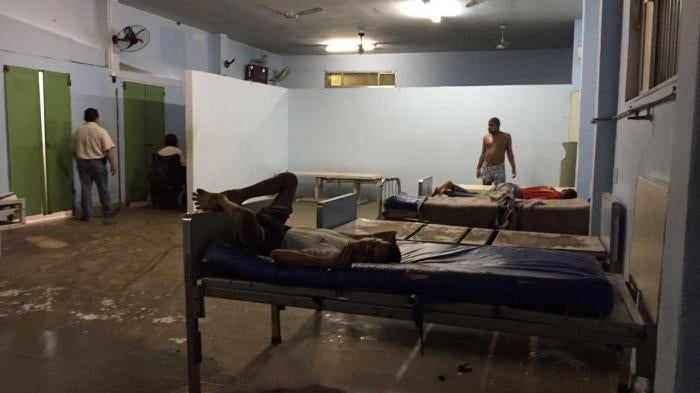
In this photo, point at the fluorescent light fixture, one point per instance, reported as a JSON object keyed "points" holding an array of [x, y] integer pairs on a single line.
{"points": [[434, 10], [341, 46]]}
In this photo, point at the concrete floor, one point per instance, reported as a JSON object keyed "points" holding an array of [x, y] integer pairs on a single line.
{"points": [[98, 307]]}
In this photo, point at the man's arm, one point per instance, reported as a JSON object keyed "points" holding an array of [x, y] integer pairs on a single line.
{"points": [[109, 154], [481, 158], [511, 157]]}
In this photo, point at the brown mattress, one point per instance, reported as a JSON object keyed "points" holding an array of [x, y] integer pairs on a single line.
{"points": [[479, 211], [553, 216]]}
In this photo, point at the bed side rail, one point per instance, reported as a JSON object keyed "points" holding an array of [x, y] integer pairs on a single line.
{"points": [[425, 186], [388, 188], [612, 230], [334, 212]]}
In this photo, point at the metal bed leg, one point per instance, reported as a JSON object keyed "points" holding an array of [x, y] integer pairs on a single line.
{"points": [[276, 325], [194, 340]]}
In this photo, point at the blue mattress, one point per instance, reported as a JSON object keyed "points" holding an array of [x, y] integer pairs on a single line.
{"points": [[403, 202], [550, 281]]}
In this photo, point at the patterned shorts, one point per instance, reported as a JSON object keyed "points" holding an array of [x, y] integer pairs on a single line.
{"points": [[495, 174]]}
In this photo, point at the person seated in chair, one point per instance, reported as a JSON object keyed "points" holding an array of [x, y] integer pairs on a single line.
{"points": [[267, 233], [172, 147], [167, 176]]}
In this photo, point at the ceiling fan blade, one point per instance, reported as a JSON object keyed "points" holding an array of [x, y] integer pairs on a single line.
{"points": [[278, 12], [310, 11]]}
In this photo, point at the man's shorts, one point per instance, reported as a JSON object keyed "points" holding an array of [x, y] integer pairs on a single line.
{"points": [[271, 228], [495, 174]]}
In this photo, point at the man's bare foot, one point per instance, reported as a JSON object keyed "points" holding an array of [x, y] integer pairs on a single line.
{"points": [[204, 200]]}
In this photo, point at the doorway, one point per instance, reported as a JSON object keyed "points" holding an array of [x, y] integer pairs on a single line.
{"points": [[144, 134], [38, 106]]}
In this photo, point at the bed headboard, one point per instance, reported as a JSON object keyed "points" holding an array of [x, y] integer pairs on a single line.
{"points": [[201, 228], [612, 230], [388, 187], [646, 250], [425, 186]]}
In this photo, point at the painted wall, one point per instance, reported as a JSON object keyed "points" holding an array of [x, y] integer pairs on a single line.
{"points": [[678, 354], [517, 67], [76, 20], [236, 132], [416, 132], [19, 37], [577, 57], [589, 65], [172, 49], [606, 106]]}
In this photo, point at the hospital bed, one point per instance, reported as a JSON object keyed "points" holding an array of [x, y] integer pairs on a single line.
{"points": [[492, 209], [569, 216], [357, 179], [490, 288]]}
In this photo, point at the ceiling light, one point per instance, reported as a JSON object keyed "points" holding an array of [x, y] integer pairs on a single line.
{"points": [[341, 46], [434, 10]]}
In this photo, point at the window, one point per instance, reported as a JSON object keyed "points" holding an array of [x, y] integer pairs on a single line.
{"points": [[360, 79], [653, 49]]}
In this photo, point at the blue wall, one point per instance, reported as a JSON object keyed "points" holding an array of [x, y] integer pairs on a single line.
{"points": [[577, 60], [486, 68], [589, 65]]}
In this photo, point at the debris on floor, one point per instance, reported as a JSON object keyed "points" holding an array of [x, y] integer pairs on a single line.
{"points": [[463, 368]]}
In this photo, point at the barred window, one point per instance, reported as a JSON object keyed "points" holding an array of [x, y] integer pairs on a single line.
{"points": [[360, 79], [653, 49]]}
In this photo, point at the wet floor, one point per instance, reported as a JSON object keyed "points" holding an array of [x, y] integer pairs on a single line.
{"points": [[99, 307]]}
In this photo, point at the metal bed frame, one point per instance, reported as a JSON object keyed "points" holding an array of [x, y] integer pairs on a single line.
{"points": [[625, 328], [390, 187]]}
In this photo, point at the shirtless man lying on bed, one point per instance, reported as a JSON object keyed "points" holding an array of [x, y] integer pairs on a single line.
{"points": [[267, 233]]}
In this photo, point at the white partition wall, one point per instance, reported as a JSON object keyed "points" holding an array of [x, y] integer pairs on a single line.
{"points": [[236, 131], [434, 131]]}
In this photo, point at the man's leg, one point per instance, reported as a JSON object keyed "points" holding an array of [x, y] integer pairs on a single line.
{"points": [[245, 224], [85, 190], [102, 181], [283, 185]]}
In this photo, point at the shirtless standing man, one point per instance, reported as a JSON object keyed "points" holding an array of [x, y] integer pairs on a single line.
{"points": [[491, 167]]}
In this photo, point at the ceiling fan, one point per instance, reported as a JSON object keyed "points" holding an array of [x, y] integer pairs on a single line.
{"points": [[292, 13], [503, 44]]}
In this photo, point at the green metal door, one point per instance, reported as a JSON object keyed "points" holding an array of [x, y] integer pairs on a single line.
{"points": [[24, 136], [135, 140], [144, 131], [57, 126], [155, 120]]}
